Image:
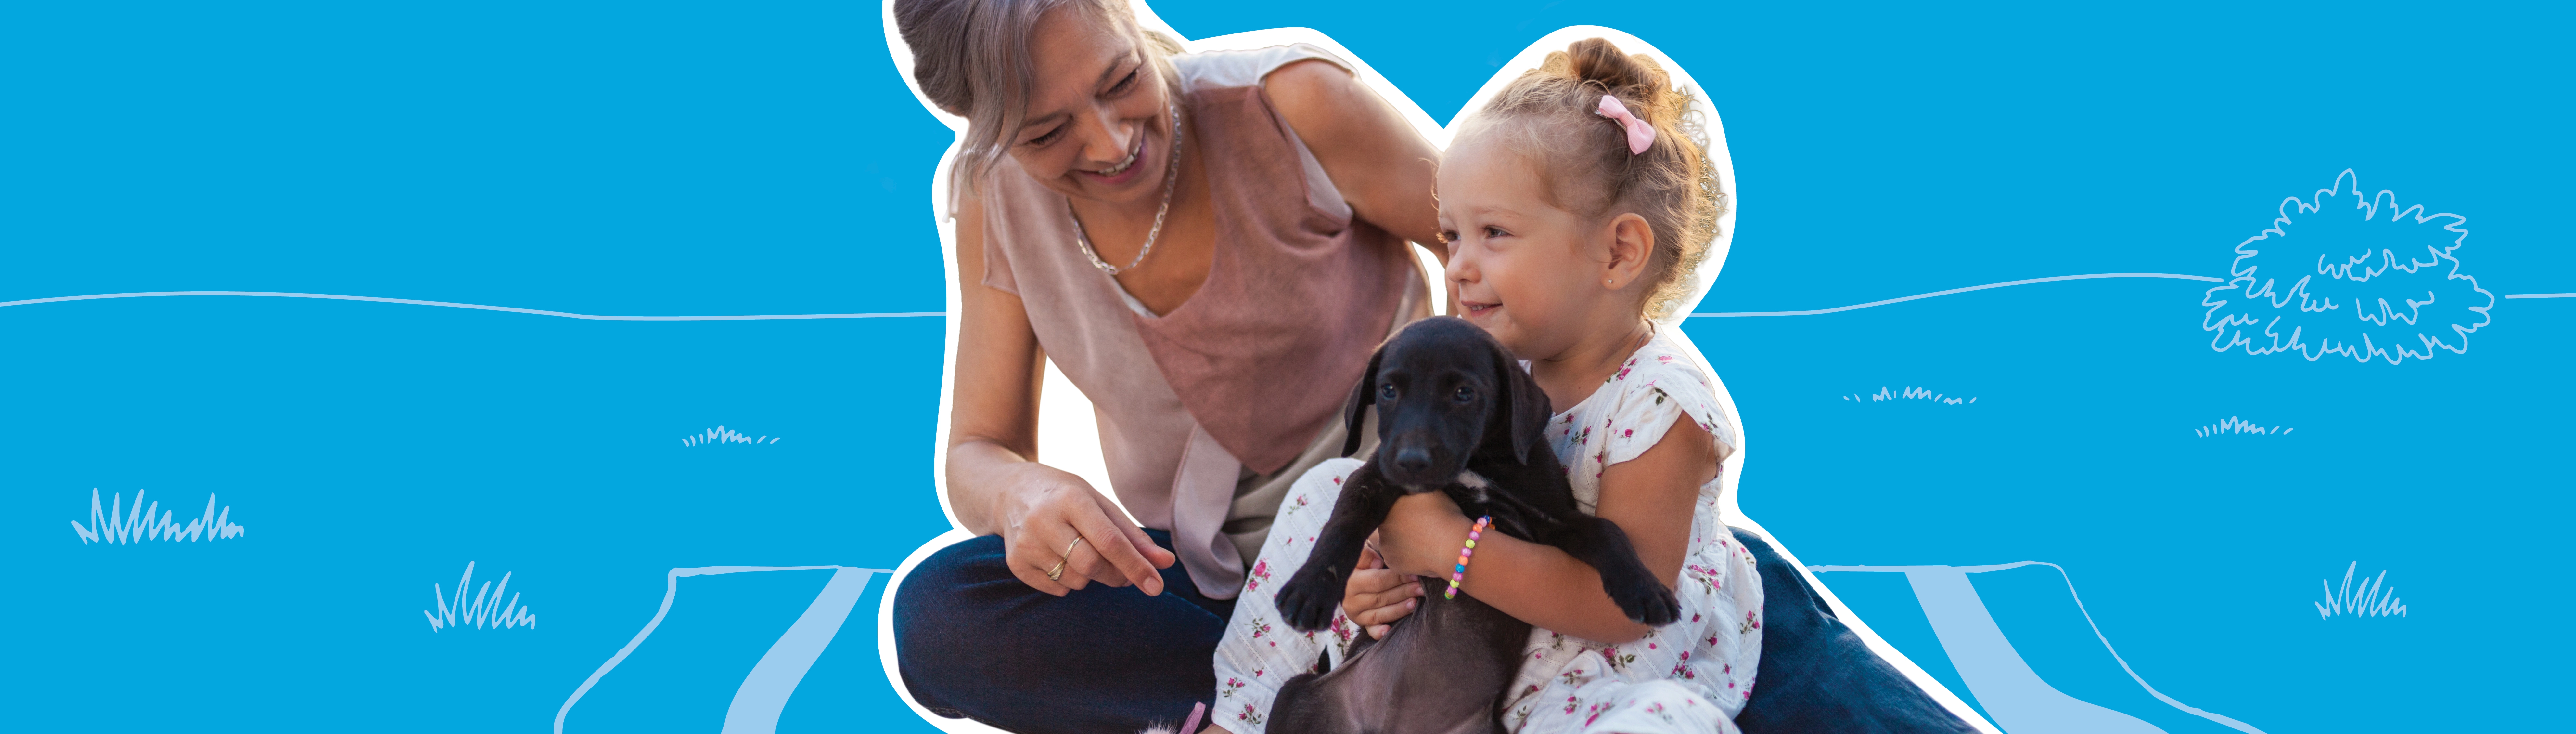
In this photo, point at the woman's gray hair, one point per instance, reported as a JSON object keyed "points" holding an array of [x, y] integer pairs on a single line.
{"points": [[972, 59]]}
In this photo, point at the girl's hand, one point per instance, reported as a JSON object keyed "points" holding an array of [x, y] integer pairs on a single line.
{"points": [[1048, 510], [1422, 535], [1376, 596]]}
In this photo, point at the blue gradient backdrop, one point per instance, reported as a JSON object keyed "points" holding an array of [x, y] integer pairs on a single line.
{"points": [[670, 158]]}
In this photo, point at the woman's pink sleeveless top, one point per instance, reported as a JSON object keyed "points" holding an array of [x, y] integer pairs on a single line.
{"points": [[1235, 390]]}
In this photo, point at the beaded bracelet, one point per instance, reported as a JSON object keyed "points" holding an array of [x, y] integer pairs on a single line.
{"points": [[1460, 574]]}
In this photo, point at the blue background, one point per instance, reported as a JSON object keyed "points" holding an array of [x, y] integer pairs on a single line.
{"points": [[665, 158]]}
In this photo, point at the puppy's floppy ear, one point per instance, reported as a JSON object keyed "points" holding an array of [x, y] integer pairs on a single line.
{"points": [[1519, 402], [1356, 409]]}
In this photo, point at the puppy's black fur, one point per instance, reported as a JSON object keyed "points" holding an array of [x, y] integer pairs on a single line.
{"points": [[1455, 414]]}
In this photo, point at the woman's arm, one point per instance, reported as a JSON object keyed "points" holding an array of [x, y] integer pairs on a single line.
{"points": [[1651, 499], [1380, 162], [995, 484]]}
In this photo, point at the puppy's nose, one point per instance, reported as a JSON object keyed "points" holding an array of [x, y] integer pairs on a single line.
{"points": [[1412, 459]]}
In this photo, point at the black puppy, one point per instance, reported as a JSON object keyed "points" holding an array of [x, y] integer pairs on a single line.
{"points": [[1456, 414]]}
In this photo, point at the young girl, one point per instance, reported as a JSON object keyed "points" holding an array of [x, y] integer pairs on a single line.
{"points": [[1575, 205]]}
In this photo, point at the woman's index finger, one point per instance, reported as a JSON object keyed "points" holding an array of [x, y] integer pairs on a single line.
{"points": [[1113, 545]]}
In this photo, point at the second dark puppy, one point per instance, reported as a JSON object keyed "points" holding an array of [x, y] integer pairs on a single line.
{"points": [[1456, 414]]}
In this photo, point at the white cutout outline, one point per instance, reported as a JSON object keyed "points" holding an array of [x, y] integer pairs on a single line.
{"points": [[1529, 57]]}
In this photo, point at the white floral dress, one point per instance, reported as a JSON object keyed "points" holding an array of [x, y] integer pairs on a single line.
{"points": [[1693, 675]]}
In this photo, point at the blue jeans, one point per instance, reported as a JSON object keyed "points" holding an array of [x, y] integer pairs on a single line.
{"points": [[973, 641], [1816, 676]]}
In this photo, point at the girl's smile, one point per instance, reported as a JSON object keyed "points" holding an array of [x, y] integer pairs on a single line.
{"points": [[1569, 280]]}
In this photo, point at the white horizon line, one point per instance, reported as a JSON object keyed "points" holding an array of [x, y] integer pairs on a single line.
{"points": [[1919, 296], [475, 306], [926, 314]]}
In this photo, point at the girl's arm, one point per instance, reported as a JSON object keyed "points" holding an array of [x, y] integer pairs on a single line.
{"points": [[1651, 499], [995, 484]]}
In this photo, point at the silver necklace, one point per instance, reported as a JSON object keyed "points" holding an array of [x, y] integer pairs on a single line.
{"points": [[1171, 181]]}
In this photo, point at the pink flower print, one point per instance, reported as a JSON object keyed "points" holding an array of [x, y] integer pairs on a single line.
{"points": [[1590, 713], [1665, 358], [1260, 572], [1730, 667], [1694, 618], [1585, 438], [1259, 627], [1623, 371], [1230, 685], [1570, 703], [1249, 715], [1256, 672]]}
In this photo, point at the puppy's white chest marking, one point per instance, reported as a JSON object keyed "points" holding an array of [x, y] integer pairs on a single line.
{"points": [[1475, 481]]}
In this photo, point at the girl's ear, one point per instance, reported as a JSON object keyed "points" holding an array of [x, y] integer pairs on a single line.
{"points": [[1632, 243]]}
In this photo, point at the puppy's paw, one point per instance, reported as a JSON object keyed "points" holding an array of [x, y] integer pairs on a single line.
{"points": [[1308, 600], [1647, 602]]}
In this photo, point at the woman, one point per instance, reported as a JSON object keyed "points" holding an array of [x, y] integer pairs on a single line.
{"points": [[1209, 245]]}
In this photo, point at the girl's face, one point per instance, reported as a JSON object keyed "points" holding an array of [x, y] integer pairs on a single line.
{"points": [[1519, 266], [1099, 124]]}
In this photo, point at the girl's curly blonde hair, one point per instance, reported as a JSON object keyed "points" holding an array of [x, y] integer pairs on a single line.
{"points": [[1582, 158]]}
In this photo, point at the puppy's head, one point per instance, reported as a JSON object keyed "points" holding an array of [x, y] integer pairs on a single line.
{"points": [[1443, 388]]}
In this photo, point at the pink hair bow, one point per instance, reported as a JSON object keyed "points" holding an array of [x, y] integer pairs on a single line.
{"points": [[1640, 135]]}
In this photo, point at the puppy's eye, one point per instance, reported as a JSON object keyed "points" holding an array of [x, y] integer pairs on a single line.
{"points": [[1464, 394], [1386, 391]]}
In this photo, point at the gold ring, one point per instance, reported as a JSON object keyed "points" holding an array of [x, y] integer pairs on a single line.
{"points": [[1057, 573]]}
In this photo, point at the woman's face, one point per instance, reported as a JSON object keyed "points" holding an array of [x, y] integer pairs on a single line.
{"points": [[1099, 124]]}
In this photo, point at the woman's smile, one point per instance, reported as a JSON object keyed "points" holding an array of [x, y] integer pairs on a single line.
{"points": [[1123, 172]]}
